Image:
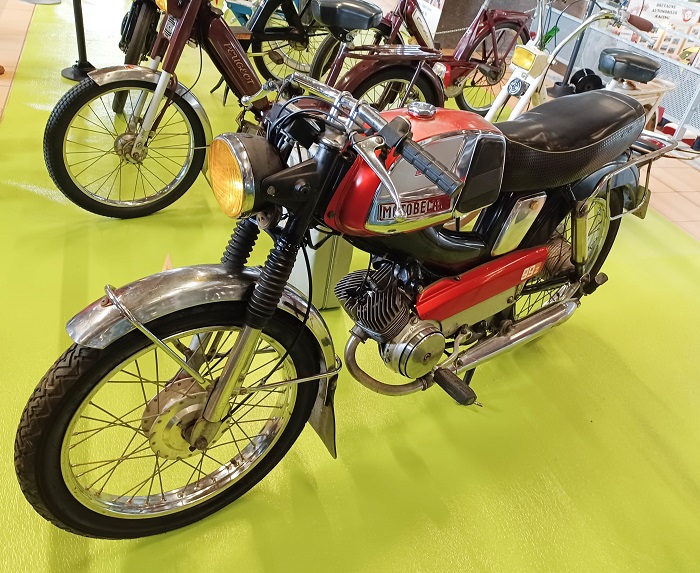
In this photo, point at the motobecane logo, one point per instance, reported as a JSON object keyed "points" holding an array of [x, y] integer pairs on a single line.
{"points": [[240, 64], [416, 208]]}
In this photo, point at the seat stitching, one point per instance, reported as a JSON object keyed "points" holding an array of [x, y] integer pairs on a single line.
{"points": [[639, 119]]}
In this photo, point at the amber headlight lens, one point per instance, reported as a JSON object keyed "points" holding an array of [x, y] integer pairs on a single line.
{"points": [[523, 58], [162, 5], [226, 177]]}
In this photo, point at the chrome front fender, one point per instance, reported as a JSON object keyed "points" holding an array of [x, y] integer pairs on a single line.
{"points": [[105, 76], [161, 294]]}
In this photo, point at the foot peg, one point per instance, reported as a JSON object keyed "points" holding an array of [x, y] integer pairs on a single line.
{"points": [[458, 389], [599, 280]]}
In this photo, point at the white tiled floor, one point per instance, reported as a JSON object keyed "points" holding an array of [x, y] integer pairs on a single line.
{"points": [[675, 184], [14, 23]]}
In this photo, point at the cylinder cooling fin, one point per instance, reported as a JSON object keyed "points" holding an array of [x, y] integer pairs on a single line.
{"points": [[374, 300]]}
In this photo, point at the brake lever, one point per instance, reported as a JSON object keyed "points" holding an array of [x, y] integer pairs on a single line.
{"points": [[366, 148], [270, 86]]}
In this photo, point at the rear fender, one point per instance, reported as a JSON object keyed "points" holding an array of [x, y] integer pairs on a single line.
{"points": [[161, 294], [627, 180], [481, 27], [360, 72], [113, 74]]}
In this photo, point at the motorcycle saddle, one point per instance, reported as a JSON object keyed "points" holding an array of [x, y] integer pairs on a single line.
{"points": [[626, 65], [346, 14], [568, 138]]}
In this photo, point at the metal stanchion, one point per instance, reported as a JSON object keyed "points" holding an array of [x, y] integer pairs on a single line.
{"points": [[80, 69]]}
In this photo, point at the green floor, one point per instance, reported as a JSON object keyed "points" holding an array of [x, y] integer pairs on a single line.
{"points": [[584, 458]]}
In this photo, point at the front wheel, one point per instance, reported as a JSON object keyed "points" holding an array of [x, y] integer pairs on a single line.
{"points": [[100, 449], [87, 145], [389, 89]]}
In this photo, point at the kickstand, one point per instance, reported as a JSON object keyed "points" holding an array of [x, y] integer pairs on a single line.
{"points": [[218, 85]]}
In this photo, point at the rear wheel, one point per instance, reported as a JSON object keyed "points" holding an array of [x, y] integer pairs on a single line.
{"points": [[548, 287], [137, 49], [100, 448], [491, 73], [388, 88], [295, 49]]}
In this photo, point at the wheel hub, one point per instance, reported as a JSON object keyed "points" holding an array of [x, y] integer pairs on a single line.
{"points": [[493, 76], [124, 147], [170, 414]]}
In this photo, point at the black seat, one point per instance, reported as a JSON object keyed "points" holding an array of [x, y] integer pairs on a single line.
{"points": [[346, 14], [626, 65], [565, 139]]}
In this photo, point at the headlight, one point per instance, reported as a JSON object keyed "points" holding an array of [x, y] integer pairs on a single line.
{"points": [[162, 5], [238, 163]]}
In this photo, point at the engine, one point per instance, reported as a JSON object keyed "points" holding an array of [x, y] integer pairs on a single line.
{"points": [[378, 304]]}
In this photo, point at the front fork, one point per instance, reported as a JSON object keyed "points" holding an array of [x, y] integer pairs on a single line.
{"points": [[261, 305], [152, 110]]}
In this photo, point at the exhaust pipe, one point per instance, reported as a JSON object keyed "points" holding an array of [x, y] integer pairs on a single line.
{"points": [[521, 332]]}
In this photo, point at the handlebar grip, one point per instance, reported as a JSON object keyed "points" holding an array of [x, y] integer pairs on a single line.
{"points": [[640, 23], [430, 167]]}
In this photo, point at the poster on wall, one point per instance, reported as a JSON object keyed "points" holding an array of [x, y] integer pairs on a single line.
{"points": [[432, 10], [673, 17]]}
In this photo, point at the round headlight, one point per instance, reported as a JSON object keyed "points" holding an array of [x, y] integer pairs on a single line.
{"points": [[238, 163], [162, 5], [226, 177]]}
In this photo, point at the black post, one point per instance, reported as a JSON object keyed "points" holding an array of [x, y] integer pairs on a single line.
{"points": [[577, 46], [80, 69]]}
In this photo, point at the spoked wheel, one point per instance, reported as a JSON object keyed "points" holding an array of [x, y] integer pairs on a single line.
{"points": [[388, 88], [289, 52], [101, 448], [87, 149], [492, 70], [328, 50], [548, 287]]}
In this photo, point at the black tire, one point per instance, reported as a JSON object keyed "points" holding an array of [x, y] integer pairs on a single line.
{"points": [[488, 87], [292, 57], [71, 383], [135, 53], [538, 292], [390, 94], [328, 49], [56, 144]]}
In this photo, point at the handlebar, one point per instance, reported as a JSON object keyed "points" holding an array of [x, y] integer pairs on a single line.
{"points": [[413, 153]]}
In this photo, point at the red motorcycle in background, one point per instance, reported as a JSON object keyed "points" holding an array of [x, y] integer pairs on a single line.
{"points": [[183, 390], [394, 74]]}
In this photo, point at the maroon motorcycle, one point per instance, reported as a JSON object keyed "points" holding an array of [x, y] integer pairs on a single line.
{"points": [[184, 389], [395, 74]]}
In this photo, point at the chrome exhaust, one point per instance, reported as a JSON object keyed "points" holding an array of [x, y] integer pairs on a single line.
{"points": [[519, 333]]}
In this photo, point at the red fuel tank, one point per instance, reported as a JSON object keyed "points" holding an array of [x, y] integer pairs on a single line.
{"points": [[461, 140]]}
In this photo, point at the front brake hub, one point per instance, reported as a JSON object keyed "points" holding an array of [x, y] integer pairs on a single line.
{"points": [[170, 415], [124, 146]]}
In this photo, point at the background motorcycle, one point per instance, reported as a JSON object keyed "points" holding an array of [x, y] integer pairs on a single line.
{"points": [[532, 62], [473, 75], [140, 159], [185, 388]]}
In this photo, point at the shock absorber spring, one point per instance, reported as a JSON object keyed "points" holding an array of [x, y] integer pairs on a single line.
{"points": [[269, 287], [240, 246]]}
